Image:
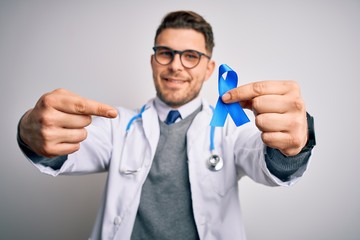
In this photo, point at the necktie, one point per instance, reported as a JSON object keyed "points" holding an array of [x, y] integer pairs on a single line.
{"points": [[172, 116]]}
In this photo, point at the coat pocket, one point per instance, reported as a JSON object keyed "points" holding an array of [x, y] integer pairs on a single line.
{"points": [[223, 180]]}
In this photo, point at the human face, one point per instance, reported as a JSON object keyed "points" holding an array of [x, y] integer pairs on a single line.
{"points": [[174, 84]]}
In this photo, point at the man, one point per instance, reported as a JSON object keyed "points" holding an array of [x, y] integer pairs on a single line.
{"points": [[159, 185]]}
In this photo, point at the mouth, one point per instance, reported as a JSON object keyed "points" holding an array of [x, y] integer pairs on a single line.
{"points": [[174, 82]]}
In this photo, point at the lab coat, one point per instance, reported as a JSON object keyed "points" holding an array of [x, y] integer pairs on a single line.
{"points": [[215, 195]]}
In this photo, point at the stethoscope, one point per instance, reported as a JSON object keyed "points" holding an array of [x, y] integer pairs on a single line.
{"points": [[214, 162]]}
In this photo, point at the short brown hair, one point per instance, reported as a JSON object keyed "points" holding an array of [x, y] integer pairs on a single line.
{"points": [[188, 20]]}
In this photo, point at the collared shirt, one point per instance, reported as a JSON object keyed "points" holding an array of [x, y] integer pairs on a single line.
{"points": [[185, 110]]}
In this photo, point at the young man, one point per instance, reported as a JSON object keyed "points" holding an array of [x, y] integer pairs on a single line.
{"points": [[159, 183]]}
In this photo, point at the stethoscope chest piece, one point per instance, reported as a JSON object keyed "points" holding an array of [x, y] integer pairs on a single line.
{"points": [[215, 162]]}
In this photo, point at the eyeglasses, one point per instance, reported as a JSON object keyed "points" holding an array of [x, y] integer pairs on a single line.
{"points": [[188, 58]]}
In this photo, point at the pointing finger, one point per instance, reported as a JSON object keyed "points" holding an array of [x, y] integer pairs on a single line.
{"points": [[90, 107], [67, 102]]}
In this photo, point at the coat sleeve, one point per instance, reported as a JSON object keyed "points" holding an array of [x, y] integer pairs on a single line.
{"points": [[250, 156]]}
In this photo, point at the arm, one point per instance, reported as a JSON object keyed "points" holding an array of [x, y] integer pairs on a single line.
{"points": [[286, 128]]}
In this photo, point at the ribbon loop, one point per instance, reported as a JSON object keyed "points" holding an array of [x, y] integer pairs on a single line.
{"points": [[222, 109]]}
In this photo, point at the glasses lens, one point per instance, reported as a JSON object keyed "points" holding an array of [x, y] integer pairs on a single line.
{"points": [[190, 58], [164, 55]]}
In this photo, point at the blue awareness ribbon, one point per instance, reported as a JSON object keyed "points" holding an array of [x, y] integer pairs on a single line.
{"points": [[223, 109]]}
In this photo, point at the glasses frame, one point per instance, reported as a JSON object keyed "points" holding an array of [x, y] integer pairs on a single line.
{"points": [[174, 52]]}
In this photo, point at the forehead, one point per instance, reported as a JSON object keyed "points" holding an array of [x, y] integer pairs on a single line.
{"points": [[181, 39]]}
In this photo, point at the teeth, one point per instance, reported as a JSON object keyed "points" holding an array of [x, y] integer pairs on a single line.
{"points": [[175, 81]]}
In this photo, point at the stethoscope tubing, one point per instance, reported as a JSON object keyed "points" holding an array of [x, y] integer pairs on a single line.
{"points": [[214, 163]]}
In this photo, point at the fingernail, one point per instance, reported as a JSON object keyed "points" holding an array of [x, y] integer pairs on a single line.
{"points": [[226, 97], [111, 113]]}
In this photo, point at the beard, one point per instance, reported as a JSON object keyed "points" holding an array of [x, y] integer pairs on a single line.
{"points": [[174, 101], [176, 96]]}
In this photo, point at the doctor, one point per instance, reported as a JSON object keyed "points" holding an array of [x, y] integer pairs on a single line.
{"points": [[160, 184]]}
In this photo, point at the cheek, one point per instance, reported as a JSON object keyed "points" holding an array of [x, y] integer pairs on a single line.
{"points": [[155, 73], [153, 66], [199, 80], [201, 73]]}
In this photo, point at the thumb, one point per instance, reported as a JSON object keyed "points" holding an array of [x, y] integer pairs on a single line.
{"points": [[228, 97]]}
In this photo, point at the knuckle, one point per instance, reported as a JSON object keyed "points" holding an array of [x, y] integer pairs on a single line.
{"points": [[289, 145], [101, 110], [288, 152], [74, 147], [292, 84], [46, 136], [82, 135], [80, 107], [78, 135], [47, 100], [256, 103], [293, 146], [47, 150], [259, 121], [299, 104], [294, 142], [291, 151], [59, 91], [297, 126], [293, 87], [46, 120], [259, 88], [294, 124], [266, 137], [87, 120], [233, 94]]}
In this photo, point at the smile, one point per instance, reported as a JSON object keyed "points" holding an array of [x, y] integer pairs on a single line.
{"points": [[172, 81]]}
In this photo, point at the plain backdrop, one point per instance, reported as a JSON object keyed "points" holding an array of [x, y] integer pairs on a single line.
{"points": [[101, 50]]}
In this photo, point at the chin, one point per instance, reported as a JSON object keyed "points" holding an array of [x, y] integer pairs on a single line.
{"points": [[173, 102]]}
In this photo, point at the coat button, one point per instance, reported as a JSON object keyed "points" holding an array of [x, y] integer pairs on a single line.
{"points": [[117, 220]]}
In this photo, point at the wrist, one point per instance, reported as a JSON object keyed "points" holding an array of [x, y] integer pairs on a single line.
{"points": [[311, 141], [22, 128]]}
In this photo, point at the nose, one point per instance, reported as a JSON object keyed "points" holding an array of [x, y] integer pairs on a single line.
{"points": [[176, 64]]}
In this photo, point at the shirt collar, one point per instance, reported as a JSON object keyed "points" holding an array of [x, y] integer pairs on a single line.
{"points": [[185, 110]]}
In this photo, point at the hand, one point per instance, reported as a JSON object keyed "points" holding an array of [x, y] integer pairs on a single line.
{"points": [[279, 113], [56, 125]]}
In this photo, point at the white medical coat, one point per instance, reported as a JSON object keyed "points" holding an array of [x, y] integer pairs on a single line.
{"points": [[215, 195]]}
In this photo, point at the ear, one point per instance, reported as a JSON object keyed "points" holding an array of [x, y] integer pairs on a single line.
{"points": [[209, 69], [152, 61]]}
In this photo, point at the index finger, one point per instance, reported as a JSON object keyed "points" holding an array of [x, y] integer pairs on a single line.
{"points": [[65, 101], [90, 107], [252, 90]]}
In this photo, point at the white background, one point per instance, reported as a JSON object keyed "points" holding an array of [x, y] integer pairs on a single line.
{"points": [[101, 50]]}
